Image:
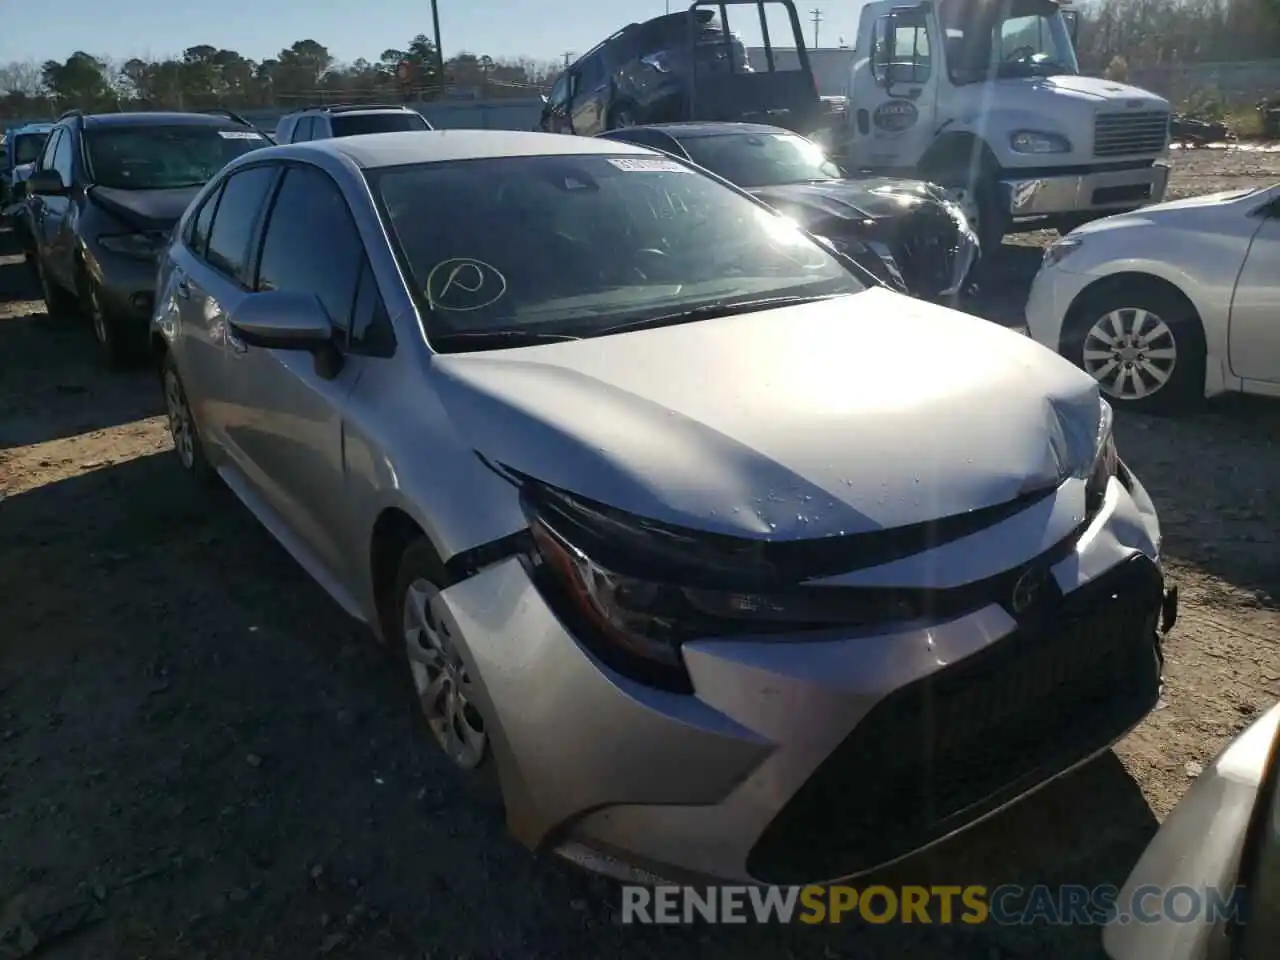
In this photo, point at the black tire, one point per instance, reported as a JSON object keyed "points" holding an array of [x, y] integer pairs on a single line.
{"points": [[419, 565], [1183, 386], [60, 303], [981, 180], [187, 445], [114, 347]]}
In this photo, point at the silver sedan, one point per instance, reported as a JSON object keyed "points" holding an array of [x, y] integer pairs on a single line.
{"points": [[628, 467]]}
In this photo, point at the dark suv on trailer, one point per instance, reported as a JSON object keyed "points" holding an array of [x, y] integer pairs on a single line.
{"points": [[347, 120], [104, 196], [682, 66]]}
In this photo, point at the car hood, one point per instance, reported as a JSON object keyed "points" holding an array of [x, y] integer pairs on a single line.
{"points": [[146, 209], [866, 412], [875, 198], [1204, 210]]}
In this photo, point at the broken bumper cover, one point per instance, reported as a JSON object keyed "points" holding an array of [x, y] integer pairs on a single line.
{"points": [[1087, 192], [810, 758]]}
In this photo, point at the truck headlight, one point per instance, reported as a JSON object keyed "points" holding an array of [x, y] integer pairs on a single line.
{"points": [[1038, 141]]}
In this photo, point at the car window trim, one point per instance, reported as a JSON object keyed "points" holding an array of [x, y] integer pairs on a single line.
{"points": [[253, 249], [214, 198]]}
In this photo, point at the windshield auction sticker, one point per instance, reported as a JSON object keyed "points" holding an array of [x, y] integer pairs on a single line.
{"points": [[239, 135], [461, 284], [648, 165]]}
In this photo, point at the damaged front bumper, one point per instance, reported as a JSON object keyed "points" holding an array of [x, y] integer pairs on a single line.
{"points": [[812, 757]]}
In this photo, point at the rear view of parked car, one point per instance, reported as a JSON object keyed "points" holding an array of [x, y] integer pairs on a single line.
{"points": [[22, 147], [684, 66], [905, 232], [103, 198], [347, 120], [629, 468]]}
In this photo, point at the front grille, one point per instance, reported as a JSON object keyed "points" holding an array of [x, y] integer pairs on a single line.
{"points": [[1134, 133], [943, 751]]}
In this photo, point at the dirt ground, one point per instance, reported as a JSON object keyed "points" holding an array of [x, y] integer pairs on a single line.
{"points": [[201, 757]]}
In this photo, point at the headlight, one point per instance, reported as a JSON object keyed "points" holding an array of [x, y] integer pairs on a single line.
{"points": [[1059, 250], [634, 592], [143, 246], [1038, 141], [1105, 463]]}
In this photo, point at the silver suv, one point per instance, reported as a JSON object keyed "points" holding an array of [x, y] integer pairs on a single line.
{"points": [[347, 120]]}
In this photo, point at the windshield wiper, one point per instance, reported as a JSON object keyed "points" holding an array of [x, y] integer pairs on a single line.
{"points": [[499, 338], [709, 311]]}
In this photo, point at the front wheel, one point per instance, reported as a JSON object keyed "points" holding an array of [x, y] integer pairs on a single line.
{"points": [[441, 683], [57, 302], [182, 426], [1143, 344], [113, 345]]}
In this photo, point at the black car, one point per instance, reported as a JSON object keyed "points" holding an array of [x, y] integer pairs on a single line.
{"points": [[903, 231], [685, 66], [105, 194]]}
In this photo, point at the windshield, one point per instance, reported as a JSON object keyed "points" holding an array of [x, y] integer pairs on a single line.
{"points": [[575, 244], [761, 160], [1022, 38], [165, 158], [354, 126], [27, 147]]}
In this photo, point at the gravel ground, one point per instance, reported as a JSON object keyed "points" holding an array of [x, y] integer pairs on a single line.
{"points": [[202, 758]]}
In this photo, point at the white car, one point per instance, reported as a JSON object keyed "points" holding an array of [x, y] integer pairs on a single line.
{"points": [[1170, 304]]}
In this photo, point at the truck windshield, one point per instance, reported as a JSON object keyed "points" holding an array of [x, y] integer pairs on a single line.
{"points": [[993, 40]]}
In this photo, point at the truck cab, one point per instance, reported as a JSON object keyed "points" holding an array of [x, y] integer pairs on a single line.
{"points": [[986, 98]]}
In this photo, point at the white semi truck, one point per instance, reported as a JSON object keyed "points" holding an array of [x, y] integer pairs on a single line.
{"points": [[985, 98]]}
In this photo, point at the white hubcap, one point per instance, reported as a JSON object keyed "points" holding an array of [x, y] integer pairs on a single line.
{"points": [[180, 427], [441, 680], [1131, 352]]}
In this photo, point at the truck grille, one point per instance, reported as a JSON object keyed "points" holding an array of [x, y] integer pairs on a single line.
{"points": [[1134, 133], [939, 753]]}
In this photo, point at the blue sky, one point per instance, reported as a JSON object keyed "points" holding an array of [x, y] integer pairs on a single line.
{"points": [[258, 28]]}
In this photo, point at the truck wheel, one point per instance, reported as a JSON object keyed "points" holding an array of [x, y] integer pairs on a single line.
{"points": [[1144, 344], [977, 193]]}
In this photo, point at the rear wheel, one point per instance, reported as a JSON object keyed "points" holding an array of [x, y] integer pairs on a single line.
{"points": [[182, 426], [1143, 343]]}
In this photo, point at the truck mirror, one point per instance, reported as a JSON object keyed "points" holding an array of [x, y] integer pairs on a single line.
{"points": [[1072, 19]]}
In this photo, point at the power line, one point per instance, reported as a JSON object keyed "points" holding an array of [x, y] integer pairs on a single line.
{"points": [[815, 16]]}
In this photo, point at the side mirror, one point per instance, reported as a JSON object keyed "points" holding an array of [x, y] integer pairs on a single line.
{"points": [[285, 320], [47, 183]]}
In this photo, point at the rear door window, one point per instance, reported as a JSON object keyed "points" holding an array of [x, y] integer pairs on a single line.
{"points": [[198, 233], [361, 123], [236, 220]]}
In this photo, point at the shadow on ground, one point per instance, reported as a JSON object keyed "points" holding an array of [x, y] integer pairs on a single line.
{"points": [[191, 728]]}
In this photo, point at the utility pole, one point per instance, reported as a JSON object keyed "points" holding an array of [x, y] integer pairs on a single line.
{"points": [[567, 55], [815, 15], [435, 27]]}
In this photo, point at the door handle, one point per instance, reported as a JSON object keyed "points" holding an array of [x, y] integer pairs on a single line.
{"points": [[182, 289]]}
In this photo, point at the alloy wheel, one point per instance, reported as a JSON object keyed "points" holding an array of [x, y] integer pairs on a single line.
{"points": [[1131, 352], [97, 314], [440, 679], [180, 424]]}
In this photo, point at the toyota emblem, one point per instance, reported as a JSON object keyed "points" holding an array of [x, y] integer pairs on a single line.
{"points": [[1027, 590]]}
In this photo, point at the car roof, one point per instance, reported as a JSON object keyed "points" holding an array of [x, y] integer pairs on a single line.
{"points": [[696, 128], [354, 110], [160, 118], [441, 146]]}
